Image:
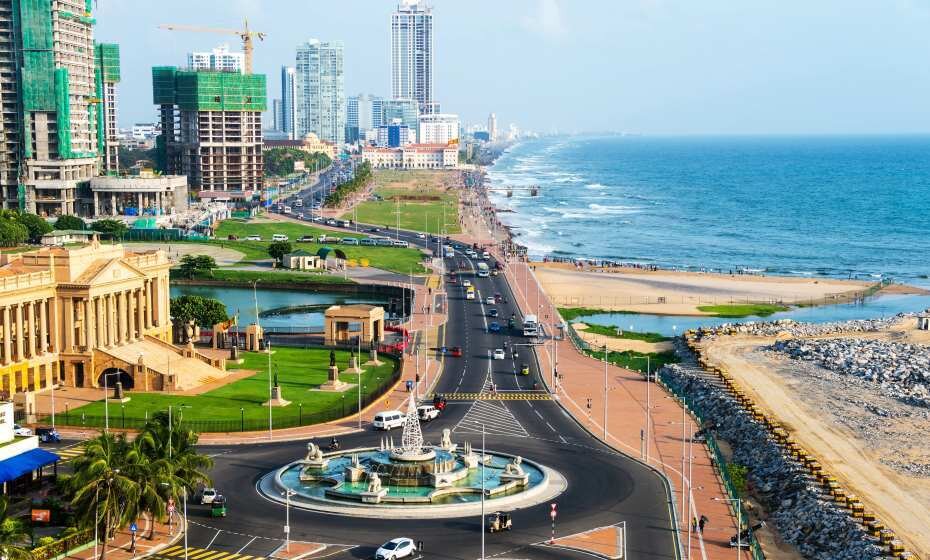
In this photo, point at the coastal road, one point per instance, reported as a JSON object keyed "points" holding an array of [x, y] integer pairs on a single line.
{"points": [[604, 488]]}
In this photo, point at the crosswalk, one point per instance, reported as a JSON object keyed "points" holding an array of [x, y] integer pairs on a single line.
{"points": [[499, 396], [490, 416], [70, 452], [177, 552]]}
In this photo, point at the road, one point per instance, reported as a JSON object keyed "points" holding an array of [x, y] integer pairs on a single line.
{"points": [[604, 488]]}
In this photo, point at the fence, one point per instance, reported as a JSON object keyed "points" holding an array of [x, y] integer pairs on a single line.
{"points": [[721, 462], [607, 302], [64, 545]]}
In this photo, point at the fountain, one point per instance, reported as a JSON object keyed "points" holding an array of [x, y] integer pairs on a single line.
{"points": [[444, 478]]}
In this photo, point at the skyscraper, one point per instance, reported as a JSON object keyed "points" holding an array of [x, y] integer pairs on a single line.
{"points": [[219, 59], [363, 114], [107, 75], [49, 123], [405, 110], [492, 127], [412, 54], [320, 99], [288, 115]]}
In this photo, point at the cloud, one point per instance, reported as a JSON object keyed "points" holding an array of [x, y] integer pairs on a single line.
{"points": [[547, 20]]}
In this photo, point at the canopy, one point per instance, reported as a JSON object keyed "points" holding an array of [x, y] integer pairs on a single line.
{"points": [[17, 466]]}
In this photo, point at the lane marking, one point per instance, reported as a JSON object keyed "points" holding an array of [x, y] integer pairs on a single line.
{"points": [[246, 545]]}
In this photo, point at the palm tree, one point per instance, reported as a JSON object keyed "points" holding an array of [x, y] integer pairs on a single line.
{"points": [[105, 485], [14, 534]]}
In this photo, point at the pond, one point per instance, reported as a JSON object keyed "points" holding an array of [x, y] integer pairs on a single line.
{"points": [[278, 308], [671, 325]]}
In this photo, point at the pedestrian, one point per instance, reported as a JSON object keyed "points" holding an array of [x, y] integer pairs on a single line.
{"points": [[702, 523], [694, 524]]}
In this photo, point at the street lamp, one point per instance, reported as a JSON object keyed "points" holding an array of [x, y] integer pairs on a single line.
{"points": [[171, 424], [287, 519], [739, 523], [106, 401], [648, 412]]}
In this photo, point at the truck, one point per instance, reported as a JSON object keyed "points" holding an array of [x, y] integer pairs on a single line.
{"points": [[530, 325], [483, 270]]}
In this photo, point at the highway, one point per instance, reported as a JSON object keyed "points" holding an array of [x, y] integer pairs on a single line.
{"points": [[604, 488]]}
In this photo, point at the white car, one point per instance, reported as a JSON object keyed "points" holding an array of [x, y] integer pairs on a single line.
{"points": [[208, 495], [466, 283], [279, 237], [21, 430], [254, 238], [421, 235], [396, 548], [489, 300], [389, 420], [485, 256], [499, 354], [427, 412]]}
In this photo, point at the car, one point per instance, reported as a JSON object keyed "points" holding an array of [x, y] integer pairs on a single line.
{"points": [[330, 222], [485, 256], [490, 300], [427, 412], [494, 326], [466, 283], [499, 354], [388, 420], [48, 435], [279, 237], [253, 238], [374, 230], [207, 495], [21, 430], [396, 548], [455, 351], [421, 235], [307, 239], [493, 313]]}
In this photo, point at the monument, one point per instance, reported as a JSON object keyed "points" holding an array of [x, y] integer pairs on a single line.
{"points": [[333, 383], [276, 398]]}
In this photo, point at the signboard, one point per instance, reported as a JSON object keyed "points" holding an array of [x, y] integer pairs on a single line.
{"points": [[43, 515], [133, 527], [553, 513]]}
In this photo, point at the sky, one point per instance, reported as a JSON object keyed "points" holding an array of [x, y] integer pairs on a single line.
{"points": [[639, 66]]}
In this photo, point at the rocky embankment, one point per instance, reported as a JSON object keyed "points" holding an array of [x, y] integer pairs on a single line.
{"points": [[901, 371], [794, 328], [800, 512]]}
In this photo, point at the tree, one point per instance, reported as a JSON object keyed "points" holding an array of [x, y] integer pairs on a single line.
{"points": [[192, 265], [35, 226], [205, 312], [114, 228], [278, 249], [70, 222], [14, 535], [12, 233]]}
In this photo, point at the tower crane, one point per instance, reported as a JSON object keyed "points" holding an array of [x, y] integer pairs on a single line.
{"points": [[245, 34]]}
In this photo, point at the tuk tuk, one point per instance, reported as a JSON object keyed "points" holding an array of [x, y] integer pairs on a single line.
{"points": [[524, 369], [499, 522], [218, 507], [439, 402]]}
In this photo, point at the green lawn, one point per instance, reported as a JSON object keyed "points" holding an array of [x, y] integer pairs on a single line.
{"points": [[571, 313], [249, 276], [742, 310], [408, 213], [636, 360], [395, 259], [298, 369], [611, 331]]}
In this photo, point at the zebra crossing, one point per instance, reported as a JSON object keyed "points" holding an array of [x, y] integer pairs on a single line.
{"points": [[70, 452], [492, 416], [177, 551], [499, 396]]}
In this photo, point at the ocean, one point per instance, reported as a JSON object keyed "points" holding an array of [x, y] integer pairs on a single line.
{"points": [[856, 206]]}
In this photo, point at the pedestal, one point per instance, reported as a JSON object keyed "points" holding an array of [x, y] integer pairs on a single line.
{"points": [[333, 383], [276, 398], [374, 497], [354, 367], [373, 358]]}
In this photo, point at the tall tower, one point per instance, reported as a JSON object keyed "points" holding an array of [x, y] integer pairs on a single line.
{"points": [[321, 98], [412, 54], [48, 128], [289, 101], [107, 75], [492, 127]]}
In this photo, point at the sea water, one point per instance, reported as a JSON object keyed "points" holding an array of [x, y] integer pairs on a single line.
{"points": [[810, 206]]}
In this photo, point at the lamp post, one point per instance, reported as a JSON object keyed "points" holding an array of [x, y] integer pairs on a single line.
{"points": [[739, 523], [647, 421], [287, 519], [605, 393], [482, 491], [171, 425], [106, 401]]}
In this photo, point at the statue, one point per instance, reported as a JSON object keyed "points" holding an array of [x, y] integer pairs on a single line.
{"points": [[446, 442], [276, 378], [514, 467], [190, 330], [314, 453], [374, 483], [332, 358]]}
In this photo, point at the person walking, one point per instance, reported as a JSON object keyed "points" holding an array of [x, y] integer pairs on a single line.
{"points": [[694, 524], [702, 523]]}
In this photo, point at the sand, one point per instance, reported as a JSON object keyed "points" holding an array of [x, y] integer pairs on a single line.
{"points": [[825, 414], [621, 344], [222, 255], [623, 289]]}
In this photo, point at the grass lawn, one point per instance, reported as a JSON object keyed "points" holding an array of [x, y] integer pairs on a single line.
{"points": [[249, 276], [298, 369], [742, 310], [636, 360], [571, 313], [421, 198], [395, 259], [611, 331]]}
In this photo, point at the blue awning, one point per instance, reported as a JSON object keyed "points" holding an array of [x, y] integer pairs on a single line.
{"points": [[15, 467]]}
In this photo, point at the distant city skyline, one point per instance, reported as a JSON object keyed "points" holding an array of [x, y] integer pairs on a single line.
{"points": [[644, 66]]}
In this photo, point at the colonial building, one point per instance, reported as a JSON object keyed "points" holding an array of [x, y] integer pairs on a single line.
{"points": [[413, 156], [75, 316]]}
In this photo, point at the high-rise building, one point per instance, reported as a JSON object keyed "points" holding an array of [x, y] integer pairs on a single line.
{"points": [[219, 59], [277, 114], [211, 126], [321, 102], [405, 110], [289, 101], [107, 75], [49, 123], [438, 128], [412, 54], [363, 116], [492, 127]]}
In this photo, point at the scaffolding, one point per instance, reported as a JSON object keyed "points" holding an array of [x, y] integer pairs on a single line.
{"points": [[220, 91]]}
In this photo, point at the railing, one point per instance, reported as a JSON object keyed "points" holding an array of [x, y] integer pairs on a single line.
{"points": [[63, 545]]}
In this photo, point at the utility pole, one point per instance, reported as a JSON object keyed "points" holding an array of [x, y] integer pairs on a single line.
{"points": [[605, 393]]}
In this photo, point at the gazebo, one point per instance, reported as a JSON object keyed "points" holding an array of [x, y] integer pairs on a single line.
{"points": [[368, 321]]}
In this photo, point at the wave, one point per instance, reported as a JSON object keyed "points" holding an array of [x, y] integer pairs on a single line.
{"points": [[612, 209], [595, 186]]}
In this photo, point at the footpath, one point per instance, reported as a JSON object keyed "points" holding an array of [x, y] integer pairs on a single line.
{"points": [[593, 394]]}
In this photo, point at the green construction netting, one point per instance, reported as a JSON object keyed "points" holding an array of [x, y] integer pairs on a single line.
{"points": [[98, 85], [34, 18], [63, 113], [163, 85], [221, 91], [107, 55]]}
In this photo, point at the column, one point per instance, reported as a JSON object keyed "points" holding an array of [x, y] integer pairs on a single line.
{"points": [[99, 311], [43, 326], [123, 334], [90, 323], [29, 333], [140, 203], [113, 204], [96, 204], [140, 312], [19, 332], [69, 325], [148, 305], [131, 314], [7, 333], [54, 341], [111, 319], [158, 202], [153, 291]]}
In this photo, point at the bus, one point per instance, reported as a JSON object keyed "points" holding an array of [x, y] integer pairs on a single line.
{"points": [[448, 252], [530, 325], [483, 271]]}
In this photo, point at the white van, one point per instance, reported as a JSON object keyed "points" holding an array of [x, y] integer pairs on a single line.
{"points": [[279, 237], [388, 420]]}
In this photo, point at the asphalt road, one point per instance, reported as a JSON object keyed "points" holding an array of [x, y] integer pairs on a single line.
{"points": [[604, 488]]}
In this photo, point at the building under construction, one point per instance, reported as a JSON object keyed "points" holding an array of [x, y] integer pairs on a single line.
{"points": [[211, 126], [106, 76], [49, 143]]}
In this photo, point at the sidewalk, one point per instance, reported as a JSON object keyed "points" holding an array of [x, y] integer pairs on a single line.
{"points": [[119, 548], [583, 381]]}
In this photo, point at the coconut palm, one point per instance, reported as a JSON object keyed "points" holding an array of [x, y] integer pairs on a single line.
{"points": [[14, 535]]}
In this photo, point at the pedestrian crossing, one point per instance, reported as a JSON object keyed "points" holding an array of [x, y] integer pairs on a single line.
{"points": [[491, 417], [177, 552], [70, 452], [498, 396]]}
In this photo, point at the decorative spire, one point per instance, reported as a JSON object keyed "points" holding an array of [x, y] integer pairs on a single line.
{"points": [[412, 440]]}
